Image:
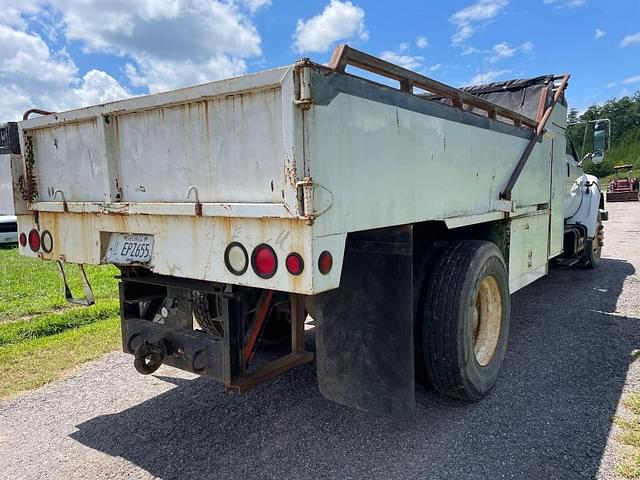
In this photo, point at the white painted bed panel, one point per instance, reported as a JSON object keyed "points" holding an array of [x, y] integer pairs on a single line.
{"points": [[70, 158], [528, 259], [387, 166], [230, 148]]}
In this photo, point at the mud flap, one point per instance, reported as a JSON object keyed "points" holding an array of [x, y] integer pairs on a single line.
{"points": [[364, 339]]}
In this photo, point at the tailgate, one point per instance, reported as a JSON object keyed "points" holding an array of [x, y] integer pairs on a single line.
{"points": [[226, 142]]}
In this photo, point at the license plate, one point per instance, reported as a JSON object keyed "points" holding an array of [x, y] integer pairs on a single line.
{"points": [[127, 248]]}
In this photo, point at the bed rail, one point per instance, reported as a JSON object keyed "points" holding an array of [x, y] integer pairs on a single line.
{"points": [[344, 55]]}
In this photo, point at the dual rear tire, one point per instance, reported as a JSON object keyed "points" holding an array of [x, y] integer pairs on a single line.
{"points": [[464, 311]]}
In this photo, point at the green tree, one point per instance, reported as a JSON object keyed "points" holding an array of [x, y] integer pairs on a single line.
{"points": [[624, 114]]}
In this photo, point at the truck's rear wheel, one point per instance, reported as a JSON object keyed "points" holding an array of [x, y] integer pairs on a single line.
{"points": [[465, 318], [208, 313]]}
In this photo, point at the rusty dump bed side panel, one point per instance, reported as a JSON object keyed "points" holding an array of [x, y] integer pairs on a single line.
{"points": [[233, 141]]}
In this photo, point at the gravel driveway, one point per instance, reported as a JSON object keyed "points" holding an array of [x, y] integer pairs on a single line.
{"points": [[569, 360]]}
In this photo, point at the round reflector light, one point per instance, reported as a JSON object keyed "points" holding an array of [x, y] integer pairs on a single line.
{"points": [[294, 263], [46, 240], [23, 239], [236, 258], [264, 261], [34, 240], [325, 262]]}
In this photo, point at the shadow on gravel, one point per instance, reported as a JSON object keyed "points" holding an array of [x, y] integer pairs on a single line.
{"points": [[549, 416]]}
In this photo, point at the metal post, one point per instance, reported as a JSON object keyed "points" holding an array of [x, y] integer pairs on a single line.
{"points": [[297, 323]]}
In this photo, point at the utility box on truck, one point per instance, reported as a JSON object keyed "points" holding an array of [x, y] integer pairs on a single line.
{"points": [[401, 222]]}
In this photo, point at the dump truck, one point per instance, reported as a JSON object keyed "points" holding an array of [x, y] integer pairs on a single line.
{"points": [[392, 213]]}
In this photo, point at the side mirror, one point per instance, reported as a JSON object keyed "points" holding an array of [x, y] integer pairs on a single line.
{"points": [[597, 157], [601, 136], [596, 138]]}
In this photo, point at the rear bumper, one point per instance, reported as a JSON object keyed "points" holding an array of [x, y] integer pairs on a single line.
{"points": [[193, 247]]}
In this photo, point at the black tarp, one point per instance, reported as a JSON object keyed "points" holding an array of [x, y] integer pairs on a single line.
{"points": [[521, 95]]}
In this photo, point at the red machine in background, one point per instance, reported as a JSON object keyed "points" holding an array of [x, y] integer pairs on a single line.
{"points": [[624, 187]]}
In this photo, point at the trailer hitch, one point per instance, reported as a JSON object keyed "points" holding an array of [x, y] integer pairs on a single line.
{"points": [[149, 356]]}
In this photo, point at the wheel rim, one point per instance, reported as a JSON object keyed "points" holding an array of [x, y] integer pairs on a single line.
{"points": [[487, 317]]}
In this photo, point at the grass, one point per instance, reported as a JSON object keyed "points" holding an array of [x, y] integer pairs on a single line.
{"points": [[30, 286], [42, 337], [630, 437], [33, 363], [52, 323], [625, 152]]}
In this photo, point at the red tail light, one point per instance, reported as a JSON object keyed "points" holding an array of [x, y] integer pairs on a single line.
{"points": [[23, 239], [294, 264], [325, 262], [264, 261], [34, 240]]}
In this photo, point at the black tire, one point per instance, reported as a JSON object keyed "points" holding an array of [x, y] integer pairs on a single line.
{"points": [[593, 246], [425, 261], [451, 305], [207, 314]]}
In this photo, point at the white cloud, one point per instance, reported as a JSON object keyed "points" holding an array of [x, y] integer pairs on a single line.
{"points": [[526, 47], [412, 62], [599, 34], [13, 10], [168, 43], [631, 80], [98, 87], [467, 19], [34, 76], [422, 42], [565, 3], [632, 39], [255, 5], [488, 77], [339, 21], [161, 75], [173, 43], [435, 67], [502, 51]]}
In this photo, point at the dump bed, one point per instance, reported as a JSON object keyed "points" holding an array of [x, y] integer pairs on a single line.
{"points": [[295, 158]]}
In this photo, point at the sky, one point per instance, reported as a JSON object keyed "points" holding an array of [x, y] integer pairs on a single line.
{"points": [[62, 54]]}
